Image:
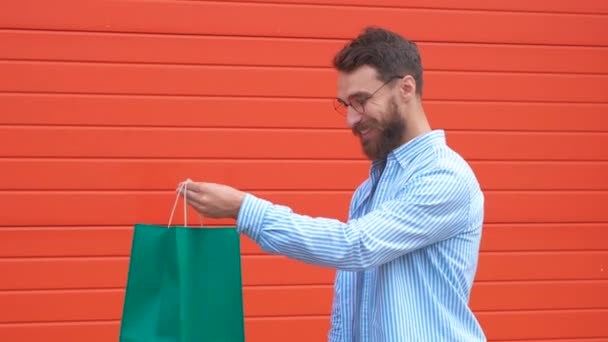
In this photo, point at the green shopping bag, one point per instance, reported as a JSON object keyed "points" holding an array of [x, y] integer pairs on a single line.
{"points": [[184, 285]]}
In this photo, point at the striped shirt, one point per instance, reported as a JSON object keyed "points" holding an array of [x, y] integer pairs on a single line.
{"points": [[407, 256]]}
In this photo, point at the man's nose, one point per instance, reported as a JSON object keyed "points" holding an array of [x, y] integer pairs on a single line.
{"points": [[352, 116]]}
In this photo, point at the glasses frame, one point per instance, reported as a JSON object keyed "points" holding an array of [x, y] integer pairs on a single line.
{"points": [[342, 107]]}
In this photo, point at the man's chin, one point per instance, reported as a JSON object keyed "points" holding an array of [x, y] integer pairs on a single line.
{"points": [[369, 149]]}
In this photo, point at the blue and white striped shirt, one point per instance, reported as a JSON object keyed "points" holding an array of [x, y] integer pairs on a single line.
{"points": [[407, 256]]}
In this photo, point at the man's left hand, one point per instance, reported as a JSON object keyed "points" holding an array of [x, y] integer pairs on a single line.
{"points": [[213, 200]]}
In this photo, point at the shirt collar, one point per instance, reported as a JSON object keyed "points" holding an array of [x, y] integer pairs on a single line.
{"points": [[405, 153]]}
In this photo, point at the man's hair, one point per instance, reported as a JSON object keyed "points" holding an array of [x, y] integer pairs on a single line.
{"points": [[388, 52]]}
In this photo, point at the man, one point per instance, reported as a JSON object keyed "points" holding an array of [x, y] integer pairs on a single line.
{"points": [[407, 256]]}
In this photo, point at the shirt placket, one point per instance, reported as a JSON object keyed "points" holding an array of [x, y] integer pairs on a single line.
{"points": [[376, 197]]}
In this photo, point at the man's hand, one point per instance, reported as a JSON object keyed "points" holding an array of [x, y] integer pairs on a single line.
{"points": [[213, 200]]}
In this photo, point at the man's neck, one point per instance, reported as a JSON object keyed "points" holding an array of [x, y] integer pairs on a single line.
{"points": [[418, 125]]}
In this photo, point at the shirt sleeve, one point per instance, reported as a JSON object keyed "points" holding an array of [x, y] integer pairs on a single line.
{"points": [[427, 209]]}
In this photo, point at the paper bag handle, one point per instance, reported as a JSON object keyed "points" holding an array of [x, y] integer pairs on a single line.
{"points": [[183, 185]]}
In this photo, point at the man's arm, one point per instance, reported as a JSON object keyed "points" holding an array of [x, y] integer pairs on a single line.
{"points": [[430, 208]]}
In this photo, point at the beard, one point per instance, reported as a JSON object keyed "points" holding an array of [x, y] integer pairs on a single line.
{"points": [[391, 131]]}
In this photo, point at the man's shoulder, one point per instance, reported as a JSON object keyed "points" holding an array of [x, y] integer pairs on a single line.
{"points": [[443, 170], [445, 159]]}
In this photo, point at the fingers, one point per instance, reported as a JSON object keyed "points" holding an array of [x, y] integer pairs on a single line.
{"points": [[182, 185], [196, 206], [194, 195], [196, 187], [191, 195], [188, 186], [198, 195]]}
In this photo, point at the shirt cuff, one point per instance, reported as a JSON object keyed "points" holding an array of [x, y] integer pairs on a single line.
{"points": [[251, 216]]}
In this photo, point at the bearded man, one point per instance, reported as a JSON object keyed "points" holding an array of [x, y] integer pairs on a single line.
{"points": [[407, 256]]}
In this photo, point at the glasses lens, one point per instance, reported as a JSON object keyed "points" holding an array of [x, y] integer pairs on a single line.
{"points": [[357, 105]]}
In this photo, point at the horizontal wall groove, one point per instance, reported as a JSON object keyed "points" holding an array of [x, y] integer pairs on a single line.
{"points": [[574, 339], [547, 280], [122, 289], [327, 286], [266, 36], [265, 192], [161, 34], [106, 321], [282, 66], [180, 159], [277, 317], [266, 255], [283, 190], [544, 311], [542, 282], [117, 289], [348, 4], [324, 190], [273, 129], [284, 160], [541, 310], [338, 213], [278, 257], [297, 317], [119, 227], [284, 98], [60, 323]]}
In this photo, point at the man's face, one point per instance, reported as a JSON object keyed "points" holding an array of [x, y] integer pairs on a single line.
{"points": [[380, 126]]}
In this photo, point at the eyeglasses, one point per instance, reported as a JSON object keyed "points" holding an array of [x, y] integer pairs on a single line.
{"points": [[358, 101]]}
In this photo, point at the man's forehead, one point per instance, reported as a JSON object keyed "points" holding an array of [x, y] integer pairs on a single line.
{"points": [[363, 79]]}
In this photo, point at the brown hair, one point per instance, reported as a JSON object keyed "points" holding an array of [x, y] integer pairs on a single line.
{"points": [[388, 52]]}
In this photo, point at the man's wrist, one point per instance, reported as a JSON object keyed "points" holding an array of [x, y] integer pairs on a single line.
{"points": [[238, 203], [251, 215]]}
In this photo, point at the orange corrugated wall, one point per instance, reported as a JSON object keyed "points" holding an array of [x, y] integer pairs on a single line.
{"points": [[106, 105]]}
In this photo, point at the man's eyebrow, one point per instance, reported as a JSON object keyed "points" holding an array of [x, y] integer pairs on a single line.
{"points": [[355, 94], [360, 93]]}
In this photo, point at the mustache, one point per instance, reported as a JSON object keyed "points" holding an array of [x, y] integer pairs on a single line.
{"points": [[362, 126]]}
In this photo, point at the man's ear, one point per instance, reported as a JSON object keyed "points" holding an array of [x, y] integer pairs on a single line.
{"points": [[407, 88]]}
